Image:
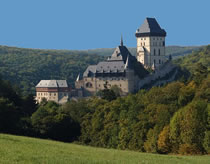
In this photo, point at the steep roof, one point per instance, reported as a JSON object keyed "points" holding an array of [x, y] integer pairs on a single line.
{"points": [[150, 27], [120, 61], [121, 53], [52, 84], [91, 69]]}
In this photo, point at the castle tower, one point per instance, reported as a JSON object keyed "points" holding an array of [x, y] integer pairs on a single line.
{"points": [[151, 44]]}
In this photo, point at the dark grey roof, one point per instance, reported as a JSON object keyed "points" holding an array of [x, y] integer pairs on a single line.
{"points": [[91, 69], [120, 61], [52, 84], [150, 27], [121, 53], [110, 67]]}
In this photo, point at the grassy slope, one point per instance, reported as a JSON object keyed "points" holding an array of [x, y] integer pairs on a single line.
{"points": [[16, 149]]}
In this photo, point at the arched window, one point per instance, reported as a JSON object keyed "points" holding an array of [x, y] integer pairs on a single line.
{"points": [[89, 85], [159, 52], [154, 52]]}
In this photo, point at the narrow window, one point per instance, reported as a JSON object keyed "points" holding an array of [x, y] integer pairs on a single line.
{"points": [[154, 52], [163, 43], [159, 52], [154, 61], [159, 61], [144, 43]]}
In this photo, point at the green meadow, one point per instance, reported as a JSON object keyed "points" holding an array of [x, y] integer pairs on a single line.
{"points": [[18, 149]]}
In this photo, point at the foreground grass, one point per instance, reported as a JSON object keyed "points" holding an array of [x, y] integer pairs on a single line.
{"points": [[16, 149]]}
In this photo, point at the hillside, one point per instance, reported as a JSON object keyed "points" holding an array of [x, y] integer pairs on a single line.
{"points": [[174, 118], [190, 61], [16, 149], [26, 67], [175, 51]]}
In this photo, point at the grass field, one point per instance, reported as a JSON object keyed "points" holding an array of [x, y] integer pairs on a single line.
{"points": [[16, 149]]}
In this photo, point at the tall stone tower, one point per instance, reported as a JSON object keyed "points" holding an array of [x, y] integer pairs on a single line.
{"points": [[151, 44]]}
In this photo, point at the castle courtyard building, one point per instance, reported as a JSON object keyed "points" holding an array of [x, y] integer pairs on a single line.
{"points": [[53, 90], [121, 70]]}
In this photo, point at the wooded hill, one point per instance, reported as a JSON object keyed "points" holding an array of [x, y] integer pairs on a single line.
{"points": [[174, 118], [26, 67]]}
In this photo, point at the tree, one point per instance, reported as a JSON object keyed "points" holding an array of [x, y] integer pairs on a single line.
{"points": [[187, 128], [164, 145], [9, 116], [200, 73], [50, 121], [107, 94]]}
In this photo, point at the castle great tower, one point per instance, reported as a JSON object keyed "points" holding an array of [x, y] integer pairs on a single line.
{"points": [[151, 44]]}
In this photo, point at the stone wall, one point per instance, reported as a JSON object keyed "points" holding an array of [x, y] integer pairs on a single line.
{"points": [[166, 69]]}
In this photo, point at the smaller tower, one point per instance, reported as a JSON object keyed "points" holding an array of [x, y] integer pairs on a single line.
{"points": [[151, 44]]}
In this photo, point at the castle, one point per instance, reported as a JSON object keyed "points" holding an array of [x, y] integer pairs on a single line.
{"points": [[125, 71], [121, 69]]}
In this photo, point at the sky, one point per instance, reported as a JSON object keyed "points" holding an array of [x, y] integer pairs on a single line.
{"points": [[90, 24]]}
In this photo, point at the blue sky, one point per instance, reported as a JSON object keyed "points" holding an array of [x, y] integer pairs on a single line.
{"points": [[88, 24]]}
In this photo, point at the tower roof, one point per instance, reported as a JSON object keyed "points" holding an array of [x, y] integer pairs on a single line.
{"points": [[150, 27]]}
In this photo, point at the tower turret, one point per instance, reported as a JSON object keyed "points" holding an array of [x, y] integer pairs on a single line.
{"points": [[151, 43]]}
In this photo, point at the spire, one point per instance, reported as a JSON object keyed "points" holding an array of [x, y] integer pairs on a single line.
{"points": [[121, 41], [78, 78]]}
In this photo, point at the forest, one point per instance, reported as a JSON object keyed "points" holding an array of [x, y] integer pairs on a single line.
{"points": [[26, 67], [174, 118]]}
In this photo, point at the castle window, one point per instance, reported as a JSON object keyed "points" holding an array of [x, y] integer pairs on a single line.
{"points": [[154, 52], [159, 52], [89, 85], [159, 61]]}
